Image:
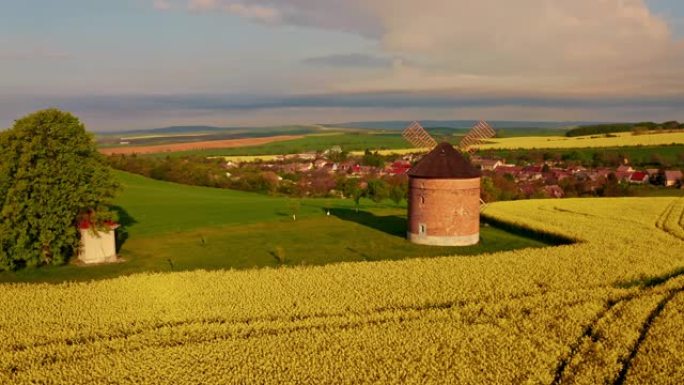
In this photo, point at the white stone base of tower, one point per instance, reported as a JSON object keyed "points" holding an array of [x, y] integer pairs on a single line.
{"points": [[432, 240]]}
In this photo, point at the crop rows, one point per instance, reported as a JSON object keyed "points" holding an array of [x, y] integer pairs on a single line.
{"points": [[596, 311], [660, 359], [672, 219]]}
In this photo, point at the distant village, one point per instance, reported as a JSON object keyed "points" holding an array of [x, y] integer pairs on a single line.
{"points": [[336, 173], [326, 174]]}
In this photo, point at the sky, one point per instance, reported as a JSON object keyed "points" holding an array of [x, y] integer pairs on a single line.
{"points": [[132, 64]]}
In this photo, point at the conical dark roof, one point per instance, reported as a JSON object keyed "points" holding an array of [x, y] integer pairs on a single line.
{"points": [[444, 162]]}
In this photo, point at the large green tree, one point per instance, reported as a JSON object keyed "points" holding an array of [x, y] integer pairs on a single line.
{"points": [[50, 176]]}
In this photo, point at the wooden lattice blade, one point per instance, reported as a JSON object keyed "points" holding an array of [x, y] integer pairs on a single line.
{"points": [[480, 131], [418, 137]]}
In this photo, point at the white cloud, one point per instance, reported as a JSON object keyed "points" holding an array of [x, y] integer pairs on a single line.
{"points": [[608, 46], [256, 12], [162, 5]]}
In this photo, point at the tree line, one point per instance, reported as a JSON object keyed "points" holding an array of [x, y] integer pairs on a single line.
{"points": [[637, 128]]}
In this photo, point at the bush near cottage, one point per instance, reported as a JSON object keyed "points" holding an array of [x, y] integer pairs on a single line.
{"points": [[50, 173]]}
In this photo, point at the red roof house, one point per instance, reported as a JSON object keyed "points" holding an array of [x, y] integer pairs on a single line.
{"points": [[399, 167], [638, 177]]}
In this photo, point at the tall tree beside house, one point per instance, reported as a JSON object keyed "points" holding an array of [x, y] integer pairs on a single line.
{"points": [[50, 176]]}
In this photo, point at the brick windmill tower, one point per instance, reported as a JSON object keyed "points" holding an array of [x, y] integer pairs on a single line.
{"points": [[444, 190]]}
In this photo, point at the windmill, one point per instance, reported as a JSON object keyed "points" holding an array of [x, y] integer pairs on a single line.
{"points": [[420, 138]]}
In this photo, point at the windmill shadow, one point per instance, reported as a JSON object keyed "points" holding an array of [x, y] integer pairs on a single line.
{"points": [[389, 224]]}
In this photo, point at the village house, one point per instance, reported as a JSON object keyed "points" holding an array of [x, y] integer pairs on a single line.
{"points": [[311, 155], [554, 191], [531, 173], [304, 167], [398, 167], [625, 168], [508, 169], [491, 164], [623, 175], [672, 177], [320, 163], [639, 177], [559, 174]]}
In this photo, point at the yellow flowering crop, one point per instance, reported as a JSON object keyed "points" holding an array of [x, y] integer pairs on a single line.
{"points": [[602, 310]]}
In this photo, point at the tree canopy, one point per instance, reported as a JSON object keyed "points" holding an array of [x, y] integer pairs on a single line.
{"points": [[51, 175]]}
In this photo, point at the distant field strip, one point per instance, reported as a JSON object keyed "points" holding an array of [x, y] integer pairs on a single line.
{"points": [[606, 310], [266, 158], [620, 140], [213, 144]]}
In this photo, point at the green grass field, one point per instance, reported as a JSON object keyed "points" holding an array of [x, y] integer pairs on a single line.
{"points": [[672, 155], [348, 142], [176, 227]]}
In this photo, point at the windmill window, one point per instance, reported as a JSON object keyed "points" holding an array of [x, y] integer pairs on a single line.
{"points": [[422, 199], [422, 229]]}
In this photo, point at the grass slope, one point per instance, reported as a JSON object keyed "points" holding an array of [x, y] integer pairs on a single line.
{"points": [[173, 227]]}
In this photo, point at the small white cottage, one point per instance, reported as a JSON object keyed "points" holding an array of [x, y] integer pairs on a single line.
{"points": [[97, 246]]}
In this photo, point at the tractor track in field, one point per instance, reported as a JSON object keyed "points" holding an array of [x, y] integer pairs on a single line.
{"points": [[670, 210], [643, 334], [590, 333], [258, 327], [587, 333]]}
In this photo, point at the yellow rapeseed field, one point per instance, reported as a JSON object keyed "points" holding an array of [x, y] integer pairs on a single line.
{"points": [[606, 309], [619, 140]]}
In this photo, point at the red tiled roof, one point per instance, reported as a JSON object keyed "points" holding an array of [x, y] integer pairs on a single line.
{"points": [[638, 176]]}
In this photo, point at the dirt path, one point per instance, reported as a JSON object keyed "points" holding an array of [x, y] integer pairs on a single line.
{"points": [[174, 147]]}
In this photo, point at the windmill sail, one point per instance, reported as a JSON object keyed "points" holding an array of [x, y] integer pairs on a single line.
{"points": [[418, 137], [480, 131]]}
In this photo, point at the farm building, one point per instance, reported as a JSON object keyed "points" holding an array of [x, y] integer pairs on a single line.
{"points": [[97, 246], [444, 199], [672, 177], [639, 177]]}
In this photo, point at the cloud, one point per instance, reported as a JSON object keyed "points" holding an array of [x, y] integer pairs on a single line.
{"points": [[256, 12], [607, 46], [38, 52], [399, 100], [118, 112], [350, 60], [161, 5]]}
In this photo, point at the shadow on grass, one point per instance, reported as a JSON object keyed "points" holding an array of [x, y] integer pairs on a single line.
{"points": [[126, 221], [390, 224]]}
